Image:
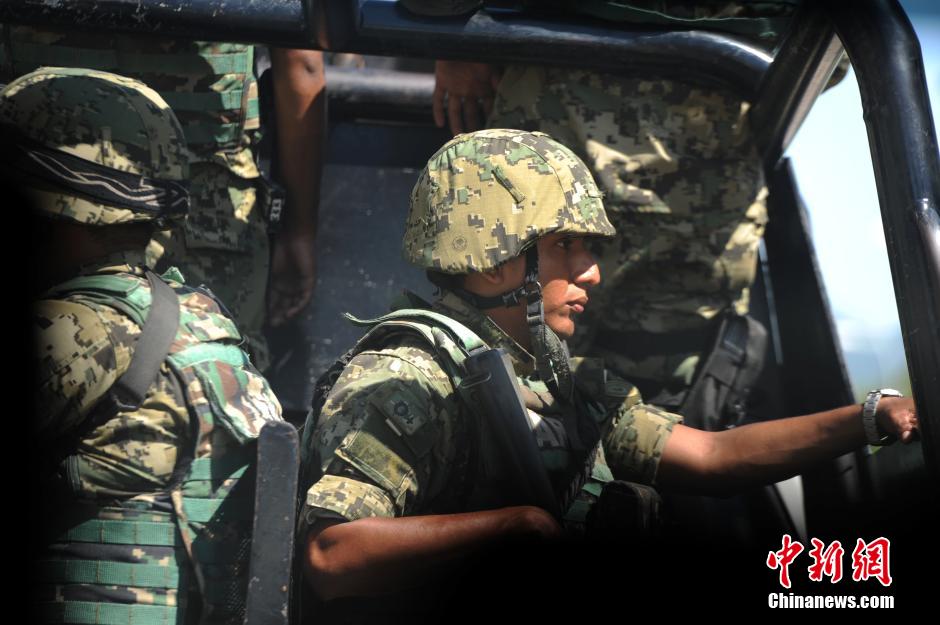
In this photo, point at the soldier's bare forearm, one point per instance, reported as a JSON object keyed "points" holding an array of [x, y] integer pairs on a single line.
{"points": [[300, 112], [723, 463], [376, 556]]}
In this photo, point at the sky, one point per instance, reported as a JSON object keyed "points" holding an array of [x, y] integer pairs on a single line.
{"points": [[832, 160]]}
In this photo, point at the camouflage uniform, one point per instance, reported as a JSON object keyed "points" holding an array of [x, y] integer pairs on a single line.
{"points": [[152, 503], [224, 242], [394, 437], [682, 181], [142, 466], [684, 187]]}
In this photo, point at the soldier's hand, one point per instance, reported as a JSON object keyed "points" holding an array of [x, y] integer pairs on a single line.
{"points": [[468, 90], [293, 274], [898, 416]]}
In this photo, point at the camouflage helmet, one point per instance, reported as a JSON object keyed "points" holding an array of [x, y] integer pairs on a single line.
{"points": [[94, 147], [486, 196]]}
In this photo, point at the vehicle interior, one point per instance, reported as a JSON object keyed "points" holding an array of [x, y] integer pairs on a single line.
{"points": [[381, 133]]}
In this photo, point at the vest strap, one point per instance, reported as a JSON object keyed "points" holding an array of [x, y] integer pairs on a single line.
{"points": [[152, 346], [109, 573], [92, 613], [198, 102], [464, 335], [231, 466], [124, 533], [199, 133]]}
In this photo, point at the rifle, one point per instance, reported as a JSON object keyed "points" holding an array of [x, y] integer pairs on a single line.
{"points": [[515, 462]]}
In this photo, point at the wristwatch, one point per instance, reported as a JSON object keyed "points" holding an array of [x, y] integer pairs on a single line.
{"points": [[872, 432]]}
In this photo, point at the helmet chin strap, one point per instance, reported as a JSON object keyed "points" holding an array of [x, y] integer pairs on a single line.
{"points": [[551, 355]]}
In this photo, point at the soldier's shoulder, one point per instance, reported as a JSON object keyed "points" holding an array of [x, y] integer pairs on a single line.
{"points": [[70, 331], [76, 355], [408, 357], [402, 384], [67, 323]]}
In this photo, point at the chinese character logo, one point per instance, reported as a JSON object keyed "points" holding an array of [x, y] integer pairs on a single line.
{"points": [[827, 561], [782, 559], [869, 560], [872, 560]]}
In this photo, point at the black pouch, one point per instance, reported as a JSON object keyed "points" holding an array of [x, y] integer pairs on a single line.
{"points": [[272, 198], [625, 509], [718, 397]]}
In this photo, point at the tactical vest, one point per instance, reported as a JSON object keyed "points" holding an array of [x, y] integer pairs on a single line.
{"points": [[453, 342], [178, 555], [210, 86]]}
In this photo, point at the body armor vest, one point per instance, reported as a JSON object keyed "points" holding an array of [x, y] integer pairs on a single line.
{"points": [[210, 86], [181, 554], [573, 483]]}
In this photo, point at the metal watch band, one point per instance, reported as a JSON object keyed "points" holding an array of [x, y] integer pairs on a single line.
{"points": [[868, 415]]}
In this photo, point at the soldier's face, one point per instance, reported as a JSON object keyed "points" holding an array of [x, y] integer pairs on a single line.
{"points": [[567, 270]]}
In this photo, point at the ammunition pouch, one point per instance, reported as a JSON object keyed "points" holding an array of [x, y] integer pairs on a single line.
{"points": [[625, 510]]}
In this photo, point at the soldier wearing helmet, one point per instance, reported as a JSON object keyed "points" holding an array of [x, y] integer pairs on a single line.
{"points": [[146, 408], [212, 89], [398, 452]]}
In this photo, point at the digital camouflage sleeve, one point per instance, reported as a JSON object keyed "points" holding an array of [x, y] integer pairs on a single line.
{"points": [[83, 351], [390, 438], [394, 440]]}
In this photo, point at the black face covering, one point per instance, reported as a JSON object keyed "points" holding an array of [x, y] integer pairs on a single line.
{"points": [[161, 198]]}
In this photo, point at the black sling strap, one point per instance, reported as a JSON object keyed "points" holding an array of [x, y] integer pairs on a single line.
{"points": [[151, 350], [128, 392], [723, 381]]}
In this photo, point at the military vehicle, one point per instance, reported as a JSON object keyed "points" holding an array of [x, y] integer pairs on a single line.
{"points": [[381, 133]]}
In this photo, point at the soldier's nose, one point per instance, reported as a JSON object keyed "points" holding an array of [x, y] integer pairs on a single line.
{"points": [[588, 274]]}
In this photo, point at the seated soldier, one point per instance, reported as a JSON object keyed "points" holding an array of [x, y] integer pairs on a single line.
{"points": [[401, 476], [147, 406]]}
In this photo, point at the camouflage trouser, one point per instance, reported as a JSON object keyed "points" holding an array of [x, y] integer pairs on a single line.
{"points": [[683, 186], [224, 245]]}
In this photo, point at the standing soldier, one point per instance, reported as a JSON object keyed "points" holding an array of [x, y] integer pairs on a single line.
{"points": [[147, 408], [212, 89]]}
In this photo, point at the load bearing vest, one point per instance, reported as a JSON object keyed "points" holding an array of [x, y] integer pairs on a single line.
{"points": [[453, 342], [181, 553], [209, 85]]}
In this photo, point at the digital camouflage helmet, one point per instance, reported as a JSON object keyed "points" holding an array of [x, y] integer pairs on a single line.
{"points": [[485, 198], [94, 147]]}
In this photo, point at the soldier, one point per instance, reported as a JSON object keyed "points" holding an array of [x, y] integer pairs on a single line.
{"points": [[683, 184], [399, 454], [147, 408], [212, 89]]}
